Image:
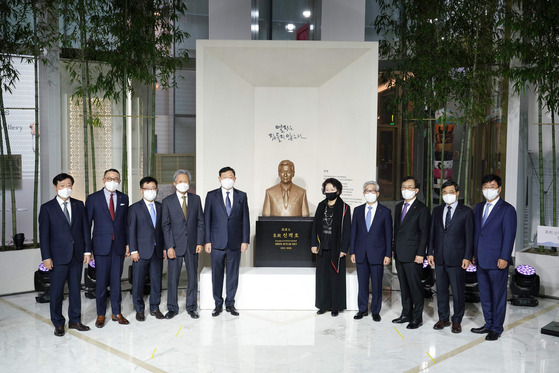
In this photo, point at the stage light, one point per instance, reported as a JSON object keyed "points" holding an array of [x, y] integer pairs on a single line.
{"points": [[427, 279], [306, 13], [524, 286], [42, 284], [471, 293], [290, 27], [89, 280]]}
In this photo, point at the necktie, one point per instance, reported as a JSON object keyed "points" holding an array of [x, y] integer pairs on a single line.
{"points": [[152, 214], [447, 218], [112, 207], [184, 206], [404, 211], [67, 213], [485, 214], [228, 205], [369, 218]]}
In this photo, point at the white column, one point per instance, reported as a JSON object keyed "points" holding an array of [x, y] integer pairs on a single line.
{"points": [[343, 20], [229, 19]]}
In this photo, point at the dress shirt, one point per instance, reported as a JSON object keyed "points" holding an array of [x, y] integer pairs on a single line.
{"points": [[373, 211], [452, 211], [490, 207], [69, 205], [108, 198], [179, 196], [224, 194]]}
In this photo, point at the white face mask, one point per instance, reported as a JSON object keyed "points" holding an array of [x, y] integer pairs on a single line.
{"points": [[182, 187], [408, 194], [227, 183], [449, 199], [64, 193], [371, 197], [490, 194], [111, 185], [149, 195]]}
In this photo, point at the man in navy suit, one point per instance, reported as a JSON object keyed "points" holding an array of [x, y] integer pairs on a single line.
{"points": [[495, 231], [227, 236], [107, 211], [183, 229], [147, 251], [411, 236], [65, 246], [451, 248], [370, 247]]}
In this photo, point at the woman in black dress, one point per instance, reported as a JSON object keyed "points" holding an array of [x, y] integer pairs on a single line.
{"points": [[330, 241]]}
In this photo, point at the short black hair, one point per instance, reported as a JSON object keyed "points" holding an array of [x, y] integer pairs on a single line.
{"points": [[451, 183], [111, 170], [335, 182], [225, 169], [60, 177], [415, 181], [489, 178], [148, 179]]}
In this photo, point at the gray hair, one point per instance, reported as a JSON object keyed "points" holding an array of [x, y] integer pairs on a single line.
{"points": [[182, 172], [371, 182]]}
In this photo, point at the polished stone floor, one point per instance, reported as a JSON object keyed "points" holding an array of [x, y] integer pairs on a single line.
{"points": [[273, 341]]}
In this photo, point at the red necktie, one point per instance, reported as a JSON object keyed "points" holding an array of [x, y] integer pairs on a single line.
{"points": [[112, 207]]}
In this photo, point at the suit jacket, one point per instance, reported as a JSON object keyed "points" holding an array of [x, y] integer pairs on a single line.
{"points": [[226, 231], [181, 233], [495, 240], [412, 235], [297, 202], [143, 237], [376, 243], [103, 226], [60, 240], [456, 243]]}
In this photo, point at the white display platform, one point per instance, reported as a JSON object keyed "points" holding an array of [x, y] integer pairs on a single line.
{"points": [[275, 288]]}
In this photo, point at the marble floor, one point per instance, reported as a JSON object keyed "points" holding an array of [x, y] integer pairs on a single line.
{"points": [[273, 341]]}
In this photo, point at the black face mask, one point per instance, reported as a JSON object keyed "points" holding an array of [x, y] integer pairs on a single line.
{"points": [[331, 196]]}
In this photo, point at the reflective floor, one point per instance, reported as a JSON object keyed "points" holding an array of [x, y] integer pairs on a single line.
{"points": [[276, 341]]}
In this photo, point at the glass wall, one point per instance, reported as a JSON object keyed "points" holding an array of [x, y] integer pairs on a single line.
{"points": [[285, 20]]}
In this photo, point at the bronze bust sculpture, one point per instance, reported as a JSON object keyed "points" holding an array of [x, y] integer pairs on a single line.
{"points": [[286, 198]]}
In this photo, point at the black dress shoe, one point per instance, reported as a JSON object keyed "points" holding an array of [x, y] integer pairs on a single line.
{"points": [[334, 313], [321, 311], [140, 316], [232, 310], [480, 330], [414, 325], [359, 315], [376, 317], [157, 313], [401, 320], [59, 331], [79, 327], [492, 336], [194, 314], [217, 311], [169, 315]]}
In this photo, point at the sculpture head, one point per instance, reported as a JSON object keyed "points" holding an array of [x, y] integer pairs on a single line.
{"points": [[286, 171]]}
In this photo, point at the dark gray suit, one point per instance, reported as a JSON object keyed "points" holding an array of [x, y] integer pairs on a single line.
{"points": [[183, 235]]}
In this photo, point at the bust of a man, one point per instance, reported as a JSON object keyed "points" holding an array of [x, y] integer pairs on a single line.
{"points": [[286, 198]]}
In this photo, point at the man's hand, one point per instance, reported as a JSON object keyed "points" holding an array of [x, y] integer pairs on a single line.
{"points": [[431, 260], [465, 263], [127, 253], [164, 254], [314, 250], [199, 249], [244, 247], [386, 260], [135, 256], [48, 264], [418, 259], [502, 264], [86, 259], [209, 247], [342, 254], [171, 254], [352, 257]]}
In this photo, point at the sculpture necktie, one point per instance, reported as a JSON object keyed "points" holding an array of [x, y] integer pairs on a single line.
{"points": [[485, 214], [152, 214], [404, 212], [285, 198], [447, 218], [67, 213], [184, 206], [368, 218], [228, 205], [112, 207]]}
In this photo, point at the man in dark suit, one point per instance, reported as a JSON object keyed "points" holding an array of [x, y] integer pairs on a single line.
{"points": [[495, 231], [227, 236], [107, 211], [451, 248], [65, 244], [411, 236], [370, 246], [147, 250], [183, 229]]}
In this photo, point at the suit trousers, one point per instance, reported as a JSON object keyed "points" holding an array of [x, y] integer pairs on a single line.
{"points": [[139, 270], [373, 272], [492, 285], [108, 271], [59, 274], [174, 267], [456, 278], [409, 276], [225, 260]]}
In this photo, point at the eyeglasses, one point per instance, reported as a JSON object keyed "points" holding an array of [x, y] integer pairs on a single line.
{"points": [[149, 188], [117, 179], [490, 187], [370, 191]]}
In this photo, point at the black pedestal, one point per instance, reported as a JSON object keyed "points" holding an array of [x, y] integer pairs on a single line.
{"points": [[283, 242]]}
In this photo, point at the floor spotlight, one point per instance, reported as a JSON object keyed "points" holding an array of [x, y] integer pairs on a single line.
{"points": [[524, 286], [42, 284], [472, 289]]}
